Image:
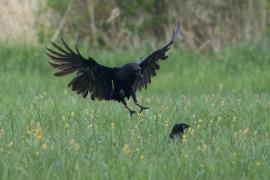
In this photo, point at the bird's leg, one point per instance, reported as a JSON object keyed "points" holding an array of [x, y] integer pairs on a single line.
{"points": [[122, 96], [131, 112], [136, 102]]}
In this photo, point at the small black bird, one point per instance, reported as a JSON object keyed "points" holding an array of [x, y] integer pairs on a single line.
{"points": [[106, 83], [178, 130]]}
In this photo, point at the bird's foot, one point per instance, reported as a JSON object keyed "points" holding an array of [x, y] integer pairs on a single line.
{"points": [[131, 112], [143, 108]]}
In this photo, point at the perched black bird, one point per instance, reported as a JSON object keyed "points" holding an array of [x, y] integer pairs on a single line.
{"points": [[105, 83], [178, 130]]}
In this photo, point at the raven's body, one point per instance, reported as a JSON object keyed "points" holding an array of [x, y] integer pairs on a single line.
{"points": [[178, 130], [124, 78], [105, 83]]}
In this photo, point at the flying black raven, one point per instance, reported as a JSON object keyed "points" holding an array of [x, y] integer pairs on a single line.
{"points": [[105, 83]]}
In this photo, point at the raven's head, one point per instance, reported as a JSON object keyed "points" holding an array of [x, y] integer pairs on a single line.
{"points": [[134, 70]]}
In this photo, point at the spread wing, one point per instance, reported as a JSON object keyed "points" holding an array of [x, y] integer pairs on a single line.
{"points": [[150, 64], [90, 79]]}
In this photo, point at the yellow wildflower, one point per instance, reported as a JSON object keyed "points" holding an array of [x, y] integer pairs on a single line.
{"points": [[126, 149], [184, 139], [166, 124], [28, 132], [66, 125], [133, 132], [140, 114], [242, 133], [74, 144], [203, 147], [77, 166], [45, 145], [38, 134], [92, 111], [44, 93], [222, 102], [63, 119], [77, 146], [90, 126], [258, 163], [113, 125], [220, 86], [1, 133], [185, 155], [142, 157], [10, 144], [31, 107], [191, 131], [245, 132], [72, 114]]}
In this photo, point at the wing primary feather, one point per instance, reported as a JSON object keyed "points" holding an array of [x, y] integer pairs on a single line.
{"points": [[85, 94], [83, 86], [150, 64], [77, 49], [54, 65], [73, 80], [175, 32], [66, 46], [59, 48], [54, 52], [91, 78], [59, 59], [63, 73]]}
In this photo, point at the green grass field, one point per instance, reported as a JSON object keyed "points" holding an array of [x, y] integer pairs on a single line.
{"points": [[48, 132]]}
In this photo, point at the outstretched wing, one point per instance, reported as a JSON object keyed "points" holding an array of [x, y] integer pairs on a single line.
{"points": [[150, 64], [91, 78]]}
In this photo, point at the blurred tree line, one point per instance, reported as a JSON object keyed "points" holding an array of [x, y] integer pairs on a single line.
{"points": [[207, 25]]}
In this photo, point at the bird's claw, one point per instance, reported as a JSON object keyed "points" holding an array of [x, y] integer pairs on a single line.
{"points": [[143, 108], [131, 112]]}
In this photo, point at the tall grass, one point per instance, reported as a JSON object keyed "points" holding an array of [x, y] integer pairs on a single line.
{"points": [[48, 132]]}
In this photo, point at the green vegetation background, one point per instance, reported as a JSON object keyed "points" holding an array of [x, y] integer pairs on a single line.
{"points": [[48, 132]]}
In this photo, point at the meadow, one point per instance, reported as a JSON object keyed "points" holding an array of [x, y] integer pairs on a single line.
{"points": [[48, 132]]}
